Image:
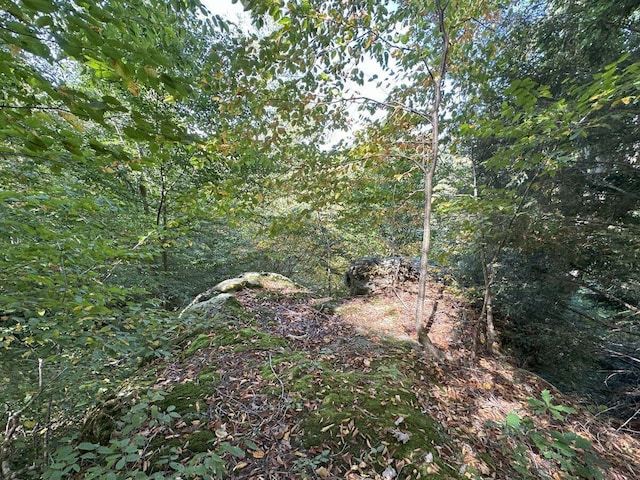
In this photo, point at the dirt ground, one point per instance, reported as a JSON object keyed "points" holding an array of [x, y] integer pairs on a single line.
{"points": [[392, 314]]}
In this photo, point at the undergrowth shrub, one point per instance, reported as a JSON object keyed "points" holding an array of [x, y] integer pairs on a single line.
{"points": [[524, 442], [134, 452]]}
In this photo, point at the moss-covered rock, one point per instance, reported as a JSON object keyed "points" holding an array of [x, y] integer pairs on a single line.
{"points": [[236, 284], [208, 302], [210, 306], [100, 422]]}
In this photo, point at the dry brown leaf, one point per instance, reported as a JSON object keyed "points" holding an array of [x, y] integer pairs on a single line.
{"points": [[433, 469], [389, 473], [240, 466], [322, 472], [401, 436], [328, 427]]}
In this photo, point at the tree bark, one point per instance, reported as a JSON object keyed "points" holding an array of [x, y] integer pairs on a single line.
{"points": [[488, 273]]}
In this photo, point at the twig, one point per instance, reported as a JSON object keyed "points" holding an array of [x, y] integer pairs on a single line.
{"points": [[637, 412]]}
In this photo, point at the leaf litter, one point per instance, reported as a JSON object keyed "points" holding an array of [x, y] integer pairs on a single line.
{"points": [[264, 395]]}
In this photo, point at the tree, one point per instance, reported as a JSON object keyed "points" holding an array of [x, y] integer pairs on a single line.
{"points": [[77, 83], [412, 43], [552, 141]]}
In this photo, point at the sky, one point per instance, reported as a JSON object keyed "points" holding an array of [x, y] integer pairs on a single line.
{"points": [[225, 8], [235, 12]]}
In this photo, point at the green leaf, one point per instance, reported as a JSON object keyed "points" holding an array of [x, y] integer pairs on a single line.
{"points": [[513, 420], [87, 446], [582, 443], [45, 6], [534, 402], [56, 475], [251, 444], [121, 463], [226, 447]]}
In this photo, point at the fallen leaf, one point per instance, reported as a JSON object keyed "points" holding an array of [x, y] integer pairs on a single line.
{"points": [[258, 454], [324, 429], [322, 472], [402, 437], [240, 466], [433, 468], [389, 473]]}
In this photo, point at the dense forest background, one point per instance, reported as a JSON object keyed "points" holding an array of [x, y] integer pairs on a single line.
{"points": [[150, 149]]}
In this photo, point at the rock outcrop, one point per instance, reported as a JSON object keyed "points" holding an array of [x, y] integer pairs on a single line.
{"points": [[210, 301], [371, 275]]}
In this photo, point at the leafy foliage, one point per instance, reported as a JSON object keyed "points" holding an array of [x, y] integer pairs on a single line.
{"points": [[149, 149], [570, 451]]}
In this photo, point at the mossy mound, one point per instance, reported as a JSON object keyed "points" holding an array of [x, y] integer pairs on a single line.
{"points": [[238, 390], [231, 326], [187, 398], [364, 421], [263, 383]]}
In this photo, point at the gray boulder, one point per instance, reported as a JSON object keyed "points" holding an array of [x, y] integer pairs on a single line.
{"points": [[370, 275]]}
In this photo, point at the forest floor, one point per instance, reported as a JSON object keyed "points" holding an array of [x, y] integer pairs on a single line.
{"points": [[307, 389]]}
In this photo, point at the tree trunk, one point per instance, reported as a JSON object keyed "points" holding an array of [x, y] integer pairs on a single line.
{"points": [[421, 324], [488, 273]]}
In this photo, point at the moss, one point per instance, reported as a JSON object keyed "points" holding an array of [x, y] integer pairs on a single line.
{"points": [[198, 343], [207, 377], [387, 419], [187, 398], [234, 307], [200, 441], [247, 339], [231, 314], [231, 327], [353, 408]]}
